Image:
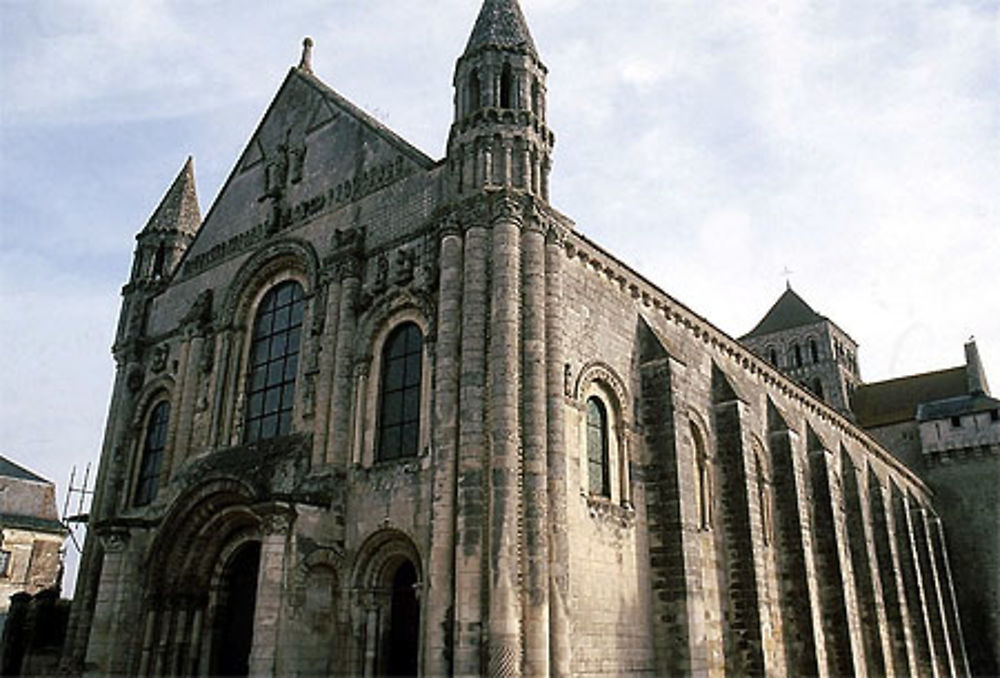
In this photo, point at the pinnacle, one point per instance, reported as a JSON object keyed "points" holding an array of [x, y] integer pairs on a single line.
{"points": [[501, 24], [179, 210]]}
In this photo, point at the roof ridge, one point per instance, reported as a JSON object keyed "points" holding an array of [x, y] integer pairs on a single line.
{"points": [[14, 470]]}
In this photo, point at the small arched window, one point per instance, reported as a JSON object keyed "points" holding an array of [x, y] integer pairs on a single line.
{"points": [[506, 87], [274, 361], [399, 406], [704, 480], [536, 98], [772, 356], [598, 462], [153, 447], [798, 355], [159, 260], [814, 350], [475, 92]]}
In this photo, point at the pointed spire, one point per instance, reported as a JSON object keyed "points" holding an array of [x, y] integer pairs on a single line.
{"points": [[305, 64], [790, 310], [501, 24], [178, 211]]}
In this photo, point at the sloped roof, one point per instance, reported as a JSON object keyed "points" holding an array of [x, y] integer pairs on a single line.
{"points": [[789, 311], [959, 405], [501, 24], [896, 400], [11, 470], [178, 211]]}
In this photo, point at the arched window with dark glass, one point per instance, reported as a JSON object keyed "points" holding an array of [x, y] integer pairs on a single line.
{"points": [[274, 362], [154, 445], [506, 87], [598, 463], [399, 400], [814, 350], [797, 351]]}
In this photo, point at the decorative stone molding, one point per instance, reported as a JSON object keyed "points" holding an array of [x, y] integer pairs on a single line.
{"points": [[604, 374], [282, 255]]}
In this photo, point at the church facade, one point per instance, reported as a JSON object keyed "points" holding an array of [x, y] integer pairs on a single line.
{"points": [[380, 414]]}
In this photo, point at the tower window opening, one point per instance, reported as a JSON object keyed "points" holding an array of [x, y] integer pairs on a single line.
{"points": [[956, 422], [814, 350], [475, 92], [994, 415], [772, 356], [536, 97], [798, 355], [818, 388], [506, 87], [159, 259]]}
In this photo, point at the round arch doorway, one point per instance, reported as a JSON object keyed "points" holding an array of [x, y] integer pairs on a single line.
{"points": [[401, 640], [232, 630]]}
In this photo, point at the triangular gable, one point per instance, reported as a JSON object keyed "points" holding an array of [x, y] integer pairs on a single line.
{"points": [[313, 152]]}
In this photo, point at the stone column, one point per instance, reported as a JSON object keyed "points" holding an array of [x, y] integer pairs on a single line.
{"points": [[829, 578], [440, 592], [742, 639], [471, 513], [922, 659], [349, 270], [535, 427], [794, 592], [324, 379], [188, 388], [504, 506], [223, 367], [106, 649], [869, 621], [276, 523], [559, 612], [932, 590], [884, 571], [959, 660]]}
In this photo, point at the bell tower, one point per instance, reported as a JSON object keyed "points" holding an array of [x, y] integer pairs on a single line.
{"points": [[499, 138]]}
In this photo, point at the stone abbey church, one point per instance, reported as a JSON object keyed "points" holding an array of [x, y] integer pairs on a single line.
{"points": [[377, 414]]}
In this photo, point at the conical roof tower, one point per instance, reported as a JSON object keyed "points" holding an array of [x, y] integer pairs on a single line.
{"points": [[499, 138], [170, 229]]}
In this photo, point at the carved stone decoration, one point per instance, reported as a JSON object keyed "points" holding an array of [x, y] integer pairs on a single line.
{"points": [[604, 374], [161, 353], [507, 208], [381, 273], [135, 378], [200, 314], [114, 540], [403, 267]]}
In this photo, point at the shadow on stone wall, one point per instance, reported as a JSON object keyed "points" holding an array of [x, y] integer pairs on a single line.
{"points": [[33, 634]]}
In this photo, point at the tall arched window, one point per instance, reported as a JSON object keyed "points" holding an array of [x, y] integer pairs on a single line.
{"points": [[274, 361], [817, 387], [704, 479], [772, 356], [797, 350], [814, 350], [399, 406], [598, 462], [153, 446], [506, 87]]}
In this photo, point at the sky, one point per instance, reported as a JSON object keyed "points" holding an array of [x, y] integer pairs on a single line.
{"points": [[713, 146]]}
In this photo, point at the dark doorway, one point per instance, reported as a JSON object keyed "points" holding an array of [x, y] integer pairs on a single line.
{"points": [[404, 624], [233, 629]]}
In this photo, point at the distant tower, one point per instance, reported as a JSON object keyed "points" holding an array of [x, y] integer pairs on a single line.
{"points": [[499, 138], [159, 248], [809, 348]]}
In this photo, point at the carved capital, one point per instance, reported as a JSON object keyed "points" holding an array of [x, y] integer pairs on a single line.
{"points": [[275, 517], [113, 539], [507, 208]]}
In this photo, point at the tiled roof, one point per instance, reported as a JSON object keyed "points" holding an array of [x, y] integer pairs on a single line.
{"points": [[11, 470], [501, 24], [895, 401], [789, 311], [959, 405], [22, 522]]}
